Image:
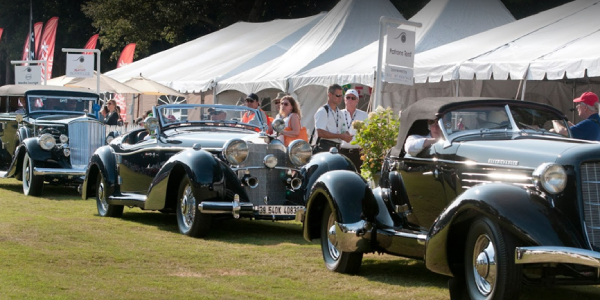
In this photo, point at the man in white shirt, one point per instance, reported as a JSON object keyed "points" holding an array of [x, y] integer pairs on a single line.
{"points": [[416, 143], [329, 122], [351, 114]]}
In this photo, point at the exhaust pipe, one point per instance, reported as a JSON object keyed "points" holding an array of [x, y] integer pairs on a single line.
{"points": [[294, 183], [251, 182]]}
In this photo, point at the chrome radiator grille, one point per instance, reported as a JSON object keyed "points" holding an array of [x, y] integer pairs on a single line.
{"points": [[84, 138], [590, 190], [271, 182]]}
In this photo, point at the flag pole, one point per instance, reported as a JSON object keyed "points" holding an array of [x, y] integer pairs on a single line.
{"points": [[31, 55]]}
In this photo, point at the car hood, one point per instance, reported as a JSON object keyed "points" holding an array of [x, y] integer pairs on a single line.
{"points": [[522, 152], [211, 139]]}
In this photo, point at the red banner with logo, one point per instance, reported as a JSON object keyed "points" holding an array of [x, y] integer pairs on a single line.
{"points": [[46, 51], [126, 56], [91, 44], [37, 30]]}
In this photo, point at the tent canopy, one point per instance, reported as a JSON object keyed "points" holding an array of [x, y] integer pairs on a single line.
{"points": [[194, 66], [348, 27], [442, 22], [559, 42]]}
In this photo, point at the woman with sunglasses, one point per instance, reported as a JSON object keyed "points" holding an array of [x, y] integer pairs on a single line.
{"points": [[291, 114], [112, 118]]}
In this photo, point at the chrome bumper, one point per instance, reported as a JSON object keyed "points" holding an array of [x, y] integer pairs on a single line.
{"points": [[55, 171], [236, 208], [553, 254], [353, 237]]}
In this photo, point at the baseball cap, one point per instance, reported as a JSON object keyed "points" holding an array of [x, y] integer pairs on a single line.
{"points": [[252, 97], [352, 92], [588, 98]]}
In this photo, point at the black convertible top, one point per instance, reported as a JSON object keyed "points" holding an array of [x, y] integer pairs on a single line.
{"points": [[432, 108]]}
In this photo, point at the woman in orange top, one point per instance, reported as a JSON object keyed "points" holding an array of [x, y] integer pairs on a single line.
{"points": [[290, 111]]}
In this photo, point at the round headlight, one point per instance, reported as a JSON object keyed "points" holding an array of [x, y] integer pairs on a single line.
{"points": [[235, 151], [47, 141], [270, 161], [300, 152], [552, 178], [64, 139]]}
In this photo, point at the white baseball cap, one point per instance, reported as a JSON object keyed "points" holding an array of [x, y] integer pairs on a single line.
{"points": [[353, 92]]}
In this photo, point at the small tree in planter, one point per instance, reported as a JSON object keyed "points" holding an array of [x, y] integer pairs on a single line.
{"points": [[375, 136]]}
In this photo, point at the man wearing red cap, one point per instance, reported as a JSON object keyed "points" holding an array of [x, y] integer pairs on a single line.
{"points": [[589, 128]]}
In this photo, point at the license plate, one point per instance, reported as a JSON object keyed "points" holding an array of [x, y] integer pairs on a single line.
{"points": [[278, 209]]}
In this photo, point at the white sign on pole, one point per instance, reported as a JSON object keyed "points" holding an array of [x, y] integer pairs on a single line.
{"points": [[395, 74], [28, 74], [80, 65], [400, 47]]}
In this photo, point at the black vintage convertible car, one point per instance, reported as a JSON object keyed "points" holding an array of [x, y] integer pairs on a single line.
{"points": [[205, 162], [48, 134], [499, 201]]}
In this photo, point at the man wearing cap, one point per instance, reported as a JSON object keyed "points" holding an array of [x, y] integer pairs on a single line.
{"points": [[587, 109], [351, 114], [329, 122], [250, 117]]}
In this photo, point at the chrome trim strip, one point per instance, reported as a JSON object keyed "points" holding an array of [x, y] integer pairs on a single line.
{"points": [[52, 171], [154, 149], [468, 163], [420, 238], [263, 167], [554, 254], [353, 237]]}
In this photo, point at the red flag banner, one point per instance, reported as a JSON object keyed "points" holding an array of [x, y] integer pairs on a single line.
{"points": [[47, 46], [91, 44], [37, 29], [126, 56]]}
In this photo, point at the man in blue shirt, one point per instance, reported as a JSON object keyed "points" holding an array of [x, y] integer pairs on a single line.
{"points": [[587, 108]]}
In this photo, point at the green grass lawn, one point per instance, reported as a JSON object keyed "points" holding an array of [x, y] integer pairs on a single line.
{"points": [[57, 247]]}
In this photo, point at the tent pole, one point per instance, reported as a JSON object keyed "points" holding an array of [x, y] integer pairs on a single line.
{"points": [[215, 100], [523, 90], [457, 87]]}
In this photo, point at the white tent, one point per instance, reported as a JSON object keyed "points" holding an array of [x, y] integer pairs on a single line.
{"points": [[348, 27], [194, 66], [442, 21], [559, 42]]}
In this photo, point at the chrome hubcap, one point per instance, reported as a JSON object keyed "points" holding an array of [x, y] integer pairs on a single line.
{"points": [[188, 207], [484, 265], [27, 172], [103, 202], [332, 239]]}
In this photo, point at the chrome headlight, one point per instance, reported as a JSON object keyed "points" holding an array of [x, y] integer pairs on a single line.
{"points": [[47, 141], [270, 161], [64, 139], [300, 152], [235, 151], [550, 177]]}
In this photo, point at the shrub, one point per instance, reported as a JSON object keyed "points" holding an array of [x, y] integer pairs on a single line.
{"points": [[375, 136]]}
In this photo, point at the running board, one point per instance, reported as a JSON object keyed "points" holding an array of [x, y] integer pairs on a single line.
{"points": [[127, 199]]}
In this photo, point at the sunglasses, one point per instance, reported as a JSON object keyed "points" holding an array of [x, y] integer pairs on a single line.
{"points": [[336, 95], [250, 100], [277, 102], [351, 97], [109, 104], [285, 103]]}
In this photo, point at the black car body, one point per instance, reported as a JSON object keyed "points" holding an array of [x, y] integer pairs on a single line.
{"points": [[47, 134], [494, 204], [205, 162]]}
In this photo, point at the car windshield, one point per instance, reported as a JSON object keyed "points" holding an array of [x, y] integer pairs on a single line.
{"points": [[210, 114], [38, 103], [491, 119]]}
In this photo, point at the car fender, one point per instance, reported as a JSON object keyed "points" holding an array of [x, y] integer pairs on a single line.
{"points": [[320, 164], [205, 172], [526, 215], [102, 161], [346, 192]]}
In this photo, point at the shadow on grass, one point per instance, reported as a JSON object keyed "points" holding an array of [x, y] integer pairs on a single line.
{"points": [[50, 192], [413, 273], [243, 231]]}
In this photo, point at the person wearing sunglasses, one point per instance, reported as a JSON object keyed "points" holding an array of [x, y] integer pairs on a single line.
{"points": [[290, 113], [112, 118], [250, 117], [329, 122], [277, 103], [351, 114]]}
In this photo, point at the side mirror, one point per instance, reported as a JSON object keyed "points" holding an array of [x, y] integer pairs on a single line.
{"points": [[278, 125]]}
